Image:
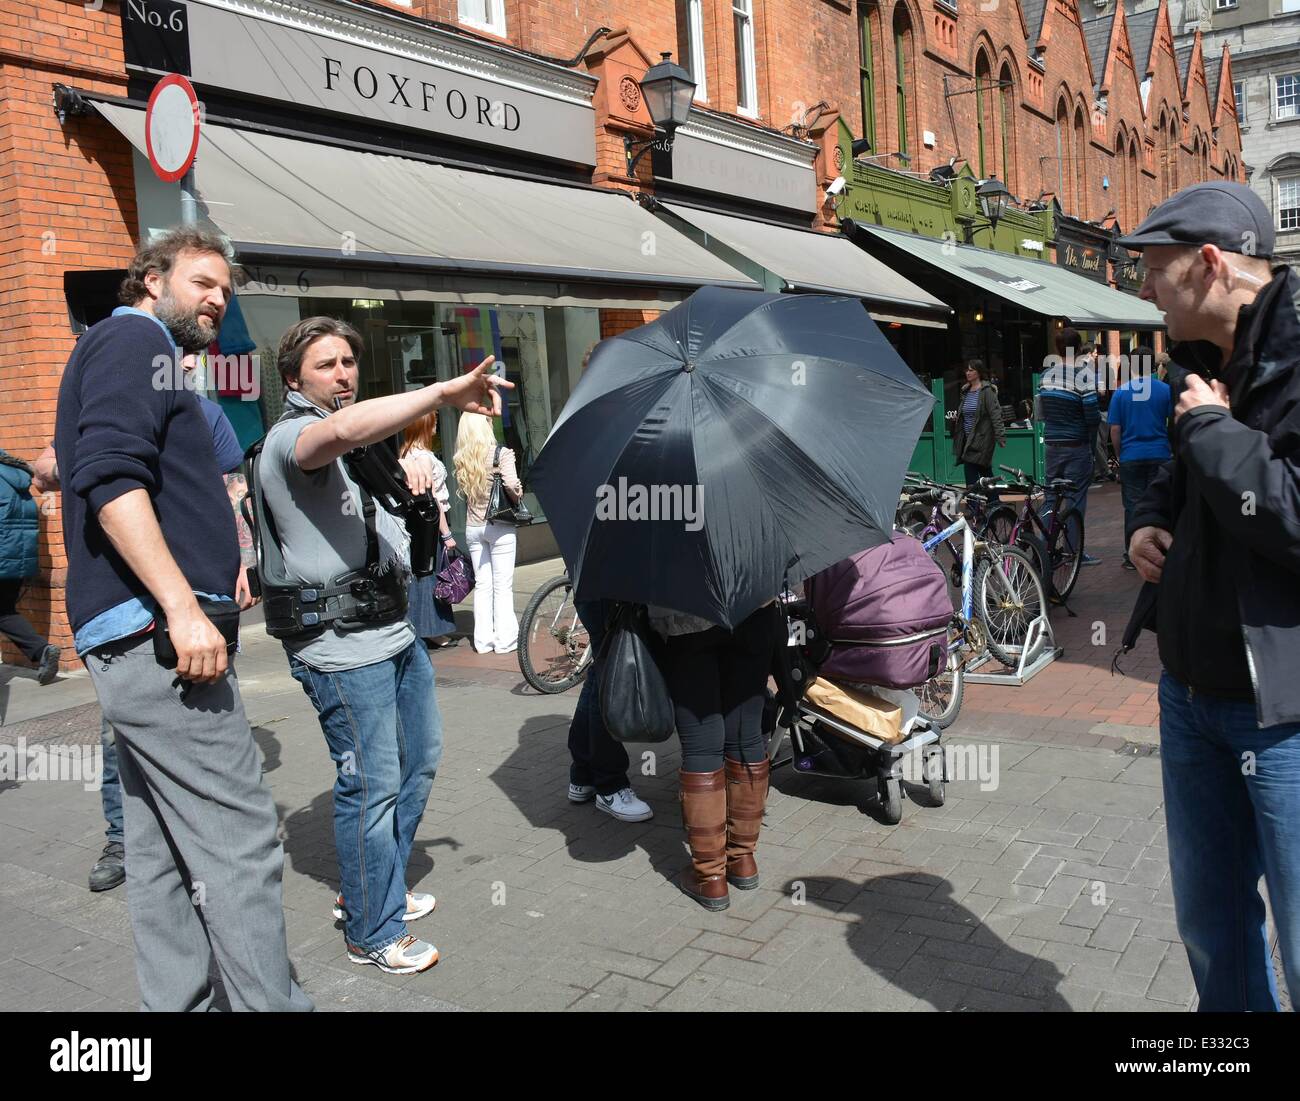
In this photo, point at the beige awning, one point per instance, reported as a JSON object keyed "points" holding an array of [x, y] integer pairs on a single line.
{"points": [[293, 200]]}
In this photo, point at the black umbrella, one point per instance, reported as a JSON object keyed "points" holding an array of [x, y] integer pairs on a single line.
{"points": [[739, 439]]}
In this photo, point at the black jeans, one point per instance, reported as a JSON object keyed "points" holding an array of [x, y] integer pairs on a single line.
{"points": [[597, 759], [16, 626], [717, 679], [1134, 478]]}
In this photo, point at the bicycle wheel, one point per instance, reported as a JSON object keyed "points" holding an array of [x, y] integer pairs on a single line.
{"points": [[941, 695], [554, 649], [1001, 525], [1008, 597], [1067, 552]]}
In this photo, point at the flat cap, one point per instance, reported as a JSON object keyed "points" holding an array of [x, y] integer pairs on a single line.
{"points": [[1223, 213]]}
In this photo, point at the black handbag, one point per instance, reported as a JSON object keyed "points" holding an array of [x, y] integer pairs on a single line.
{"points": [[500, 509], [634, 699]]}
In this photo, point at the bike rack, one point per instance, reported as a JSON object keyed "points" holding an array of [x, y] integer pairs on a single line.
{"points": [[1039, 641]]}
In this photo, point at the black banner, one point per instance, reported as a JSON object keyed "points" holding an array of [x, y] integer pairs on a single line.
{"points": [[156, 35]]}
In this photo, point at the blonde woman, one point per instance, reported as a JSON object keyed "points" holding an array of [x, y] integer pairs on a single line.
{"points": [[491, 546]]}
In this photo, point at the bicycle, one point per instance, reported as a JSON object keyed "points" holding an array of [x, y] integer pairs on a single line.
{"points": [[1001, 595], [988, 518], [554, 647], [1056, 544]]}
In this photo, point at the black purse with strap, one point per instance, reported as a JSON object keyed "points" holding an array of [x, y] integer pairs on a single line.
{"points": [[500, 509]]}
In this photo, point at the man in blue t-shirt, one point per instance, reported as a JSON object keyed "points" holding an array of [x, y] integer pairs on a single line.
{"points": [[1139, 432]]}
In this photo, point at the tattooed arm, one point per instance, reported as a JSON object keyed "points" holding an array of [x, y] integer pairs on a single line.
{"points": [[236, 489]]}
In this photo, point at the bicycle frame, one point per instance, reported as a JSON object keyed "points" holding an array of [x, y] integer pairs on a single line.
{"points": [[960, 525]]}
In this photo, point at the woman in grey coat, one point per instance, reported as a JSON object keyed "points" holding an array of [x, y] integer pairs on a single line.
{"points": [[979, 424]]}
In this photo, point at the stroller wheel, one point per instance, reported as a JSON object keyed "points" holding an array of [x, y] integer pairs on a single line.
{"points": [[891, 799], [934, 777]]}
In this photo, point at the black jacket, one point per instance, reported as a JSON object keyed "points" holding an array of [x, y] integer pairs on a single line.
{"points": [[986, 431], [1231, 497]]}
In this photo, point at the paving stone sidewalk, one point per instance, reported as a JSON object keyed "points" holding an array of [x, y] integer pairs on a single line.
{"points": [[1048, 892]]}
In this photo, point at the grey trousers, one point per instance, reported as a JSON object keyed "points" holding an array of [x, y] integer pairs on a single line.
{"points": [[203, 874]]}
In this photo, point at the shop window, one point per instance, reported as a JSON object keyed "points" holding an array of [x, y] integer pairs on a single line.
{"points": [[742, 17], [1287, 96], [1288, 203], [410, 344], [690, 44], [486, 15]]}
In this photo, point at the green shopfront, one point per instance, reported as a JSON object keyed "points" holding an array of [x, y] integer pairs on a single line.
{"points": [[1007, 295]]}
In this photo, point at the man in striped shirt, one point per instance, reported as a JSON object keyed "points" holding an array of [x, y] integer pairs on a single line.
{"points": [[1070, 414]]}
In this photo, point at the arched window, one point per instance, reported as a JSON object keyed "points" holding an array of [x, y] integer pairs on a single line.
{"points": [[1064, 169], [868, 21], [1007, 127], [1122, 182], [902, 71], [1080, 165], [1173, 153], [1134, 179], [984, 115]]}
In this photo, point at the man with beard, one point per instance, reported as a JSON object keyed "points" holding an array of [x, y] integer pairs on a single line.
{"points": [[149, 532]]}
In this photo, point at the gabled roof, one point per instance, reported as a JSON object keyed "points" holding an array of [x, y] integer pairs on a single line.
{"points": [[1142, 34], [1035, 11], [1183, 55], [1096, 33]]}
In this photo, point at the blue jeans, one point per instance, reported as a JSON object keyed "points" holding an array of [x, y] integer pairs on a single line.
{"points": [[1134, 477], [1073, 462], [383, 730], [1232, 812], [110, 789]]}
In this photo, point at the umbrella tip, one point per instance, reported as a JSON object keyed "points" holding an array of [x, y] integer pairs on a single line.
{"points": [[690, 365]]}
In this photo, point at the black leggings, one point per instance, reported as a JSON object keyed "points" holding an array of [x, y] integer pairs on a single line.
{"points": [[717, 679]]}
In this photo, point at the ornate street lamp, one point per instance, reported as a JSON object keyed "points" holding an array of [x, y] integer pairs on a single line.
{"points": [[993, 196], [668, 91]]}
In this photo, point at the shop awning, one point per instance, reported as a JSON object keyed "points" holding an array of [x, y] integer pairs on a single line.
{"points": [[1033, 285], [803, 260], [285, 197]]}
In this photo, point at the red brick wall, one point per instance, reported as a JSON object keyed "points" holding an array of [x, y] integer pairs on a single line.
{"points": [[67, 201]]}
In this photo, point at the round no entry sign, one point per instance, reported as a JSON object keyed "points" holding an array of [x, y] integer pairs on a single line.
{"points": [[171, 127]]}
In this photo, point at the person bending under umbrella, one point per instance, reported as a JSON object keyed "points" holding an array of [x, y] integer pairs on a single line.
{"points": [[717, 679]]}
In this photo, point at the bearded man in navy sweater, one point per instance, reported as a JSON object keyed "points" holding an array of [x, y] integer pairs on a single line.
{"points": [[149, 531]]}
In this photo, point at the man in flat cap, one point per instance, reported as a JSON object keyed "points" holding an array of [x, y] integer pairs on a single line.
{"points": [[1217, 538]]}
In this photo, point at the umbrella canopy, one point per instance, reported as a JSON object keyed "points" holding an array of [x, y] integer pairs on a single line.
{"points": [[739, 439]]}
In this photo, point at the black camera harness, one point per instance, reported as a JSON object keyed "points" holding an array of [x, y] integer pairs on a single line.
{"points": [[355, 600]]}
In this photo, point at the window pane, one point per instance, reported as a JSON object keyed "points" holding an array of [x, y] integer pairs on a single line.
{"points": [[1239, 98], [1288, 96], [1288, 203], [743, 30]]}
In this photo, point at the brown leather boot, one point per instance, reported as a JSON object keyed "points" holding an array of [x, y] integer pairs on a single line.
{"points": [[746, 798], [704, 814]]}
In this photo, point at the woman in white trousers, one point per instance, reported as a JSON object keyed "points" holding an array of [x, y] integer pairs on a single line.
{"points": [[491, 546]]}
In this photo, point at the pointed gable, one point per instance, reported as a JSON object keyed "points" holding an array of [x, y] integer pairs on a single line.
{"points": [[1225, 102], [1035, 11], [1097, 35], [1142, 33]]}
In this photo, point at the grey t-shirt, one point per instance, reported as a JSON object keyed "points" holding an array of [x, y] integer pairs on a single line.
{"points": [[322, 536]]}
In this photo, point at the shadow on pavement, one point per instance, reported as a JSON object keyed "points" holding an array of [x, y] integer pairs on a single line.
{"points": [[936, 978], [309, 844], [535, 778], [269, 744]]}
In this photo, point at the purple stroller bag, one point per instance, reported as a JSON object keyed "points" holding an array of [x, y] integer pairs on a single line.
{"points": [[885, 613]]}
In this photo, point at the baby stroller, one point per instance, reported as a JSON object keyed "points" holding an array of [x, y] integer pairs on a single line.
{"points": [[847, 703]]}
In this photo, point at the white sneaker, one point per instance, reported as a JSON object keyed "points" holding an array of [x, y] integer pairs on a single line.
{"points": [[403, 957], [625, 805], [417, 905], [581, 793]]}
